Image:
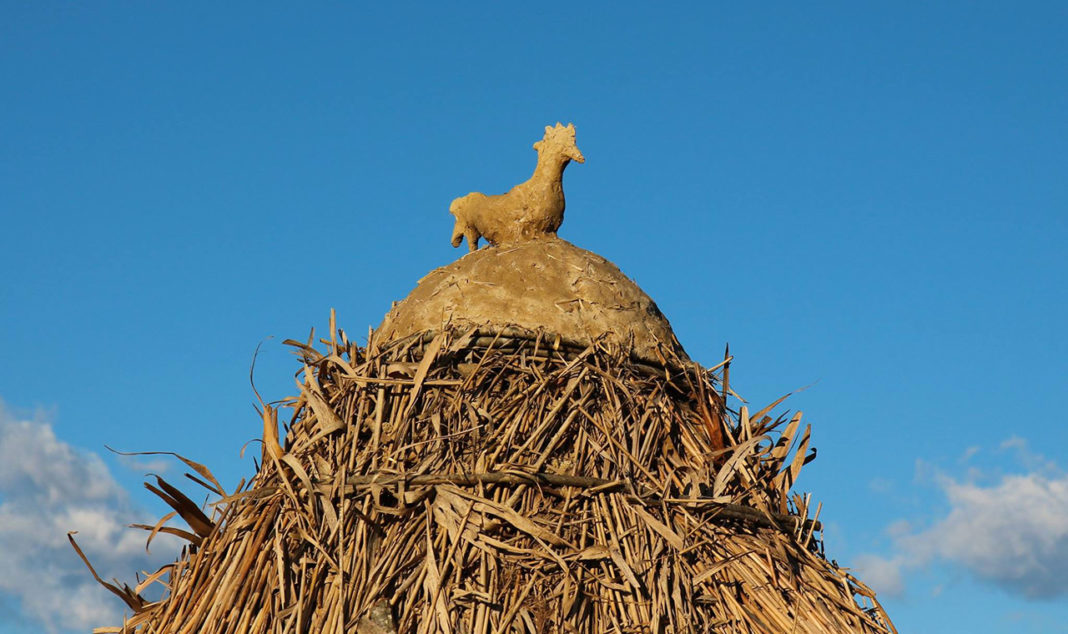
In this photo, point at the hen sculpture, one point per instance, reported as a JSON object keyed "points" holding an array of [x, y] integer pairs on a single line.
{"points": [[529, 210]]}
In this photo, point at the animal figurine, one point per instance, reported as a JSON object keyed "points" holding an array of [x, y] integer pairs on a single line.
{"points": [[529, 210]]}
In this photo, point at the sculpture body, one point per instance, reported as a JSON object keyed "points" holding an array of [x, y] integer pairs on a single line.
{"points": [[529, 210]]}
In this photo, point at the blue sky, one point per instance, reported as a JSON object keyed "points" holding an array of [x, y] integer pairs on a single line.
{"points": [[871, 200]]}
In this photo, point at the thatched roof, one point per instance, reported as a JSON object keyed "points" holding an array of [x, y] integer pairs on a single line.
{"points": [[523, 446], [459, 481]]}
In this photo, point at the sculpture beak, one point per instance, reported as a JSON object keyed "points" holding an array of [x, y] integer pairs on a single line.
{"points": [[578, 157]]}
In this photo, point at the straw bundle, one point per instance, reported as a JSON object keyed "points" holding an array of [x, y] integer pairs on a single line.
{"points": [[469, 483]]}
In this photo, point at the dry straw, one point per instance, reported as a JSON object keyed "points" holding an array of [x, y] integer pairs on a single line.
{"points": [[465, 483]]}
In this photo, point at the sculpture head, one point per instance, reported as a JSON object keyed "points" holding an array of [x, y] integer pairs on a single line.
{"points": [[561, 141]]}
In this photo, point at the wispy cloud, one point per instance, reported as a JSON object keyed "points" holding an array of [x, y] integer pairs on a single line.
{"points": [[47, 488], [882, 574], [145, 465], [1009, 530]]}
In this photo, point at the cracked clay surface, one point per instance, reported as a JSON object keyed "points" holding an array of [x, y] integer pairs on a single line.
{"points": [[543, 285]]}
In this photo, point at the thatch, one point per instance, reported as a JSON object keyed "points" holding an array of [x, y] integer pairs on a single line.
{"points": [[456, 482]]}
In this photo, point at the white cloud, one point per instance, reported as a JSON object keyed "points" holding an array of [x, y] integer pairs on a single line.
{"points": [[881, 574], [1011, 532], [899, 528], [48, 488]]}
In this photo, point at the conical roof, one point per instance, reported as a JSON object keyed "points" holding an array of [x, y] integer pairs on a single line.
{"points": [[502, 457]]}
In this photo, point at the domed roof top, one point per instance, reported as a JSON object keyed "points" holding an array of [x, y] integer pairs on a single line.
{"points": [[545, 285]]}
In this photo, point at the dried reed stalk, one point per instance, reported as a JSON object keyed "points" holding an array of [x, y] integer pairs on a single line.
{"points": [[461, 483]]}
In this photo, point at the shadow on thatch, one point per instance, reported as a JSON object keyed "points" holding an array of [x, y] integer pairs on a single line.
{"points": [[451, 482]]}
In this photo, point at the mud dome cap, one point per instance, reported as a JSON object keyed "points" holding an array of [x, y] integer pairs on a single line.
{"points": [[546, 286]]}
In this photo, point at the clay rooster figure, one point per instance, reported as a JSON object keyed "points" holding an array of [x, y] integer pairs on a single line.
{"points": [[529, 210]]}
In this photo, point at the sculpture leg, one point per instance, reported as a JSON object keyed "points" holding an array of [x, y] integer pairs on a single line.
{"points": [[472, 238]]}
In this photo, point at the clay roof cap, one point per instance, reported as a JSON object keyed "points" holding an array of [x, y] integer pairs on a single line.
{"points": [[546, 285]]}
